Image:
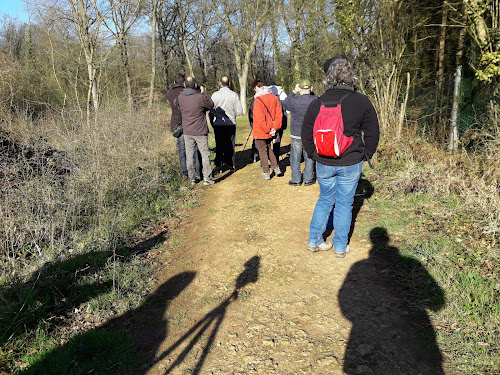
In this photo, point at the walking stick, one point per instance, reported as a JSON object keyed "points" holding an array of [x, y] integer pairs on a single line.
{"points": [[249, 134]]}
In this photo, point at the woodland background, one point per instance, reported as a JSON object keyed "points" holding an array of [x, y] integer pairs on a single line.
{"points": [[88, 168]]}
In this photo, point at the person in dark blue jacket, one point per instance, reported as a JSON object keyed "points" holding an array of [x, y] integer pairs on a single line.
{"points": [[297, 106]]}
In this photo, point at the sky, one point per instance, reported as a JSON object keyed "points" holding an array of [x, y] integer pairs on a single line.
{"points": [[14, 9]]}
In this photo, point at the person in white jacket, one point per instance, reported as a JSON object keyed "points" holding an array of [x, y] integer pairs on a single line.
{"points": [[227, 107]]}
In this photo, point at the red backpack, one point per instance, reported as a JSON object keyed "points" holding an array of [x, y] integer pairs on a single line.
{"points": [[328, 132]]}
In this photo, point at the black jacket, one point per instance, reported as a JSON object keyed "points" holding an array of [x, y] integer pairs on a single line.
{"points": [[360, 120], [172, 94]]}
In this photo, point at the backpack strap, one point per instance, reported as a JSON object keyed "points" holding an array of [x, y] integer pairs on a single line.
{"points": [[336, 102], [268, 111]]}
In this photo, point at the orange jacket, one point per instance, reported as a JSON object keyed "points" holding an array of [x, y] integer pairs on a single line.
{"points": [[262, 119]]}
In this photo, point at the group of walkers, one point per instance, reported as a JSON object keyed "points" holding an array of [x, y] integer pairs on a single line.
{"points": [[337, 176]]}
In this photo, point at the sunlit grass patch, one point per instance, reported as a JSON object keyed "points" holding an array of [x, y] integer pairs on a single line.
{"points": [[443, 215]]}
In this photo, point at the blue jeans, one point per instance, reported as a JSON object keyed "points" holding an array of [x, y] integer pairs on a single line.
{"points": [[295, 155], [181, 150], [337, 187]]}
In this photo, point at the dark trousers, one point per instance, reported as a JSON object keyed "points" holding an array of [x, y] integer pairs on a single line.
{"points": [[255, 152], [277, 144], [225, 136], [264, 147]]}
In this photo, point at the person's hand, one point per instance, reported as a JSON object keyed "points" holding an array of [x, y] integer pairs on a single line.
{"points": [[202, 88], [297, 88], [272, 132]]}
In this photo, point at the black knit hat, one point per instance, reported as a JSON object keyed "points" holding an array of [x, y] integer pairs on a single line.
{"points": [[328, 62]]}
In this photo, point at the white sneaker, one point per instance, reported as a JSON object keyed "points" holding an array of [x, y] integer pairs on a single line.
{"points": [[324, 246], [343, 254], [208, 181]]}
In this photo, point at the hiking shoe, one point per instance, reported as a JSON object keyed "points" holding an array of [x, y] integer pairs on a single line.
{"points": [[343, 254], [266, 176], [193, 182], [277, 172], [309, 183], [208, 181], [324, 246], [291, 183]]}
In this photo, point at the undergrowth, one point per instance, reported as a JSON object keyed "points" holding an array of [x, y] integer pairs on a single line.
{"points": [[81, 207], [443, 210]]}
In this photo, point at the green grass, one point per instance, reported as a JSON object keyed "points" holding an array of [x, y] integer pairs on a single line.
{"points": [[93, 352], [443, 234]]}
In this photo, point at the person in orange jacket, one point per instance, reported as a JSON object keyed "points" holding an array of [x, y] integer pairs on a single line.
{"points": [[267, 118]]}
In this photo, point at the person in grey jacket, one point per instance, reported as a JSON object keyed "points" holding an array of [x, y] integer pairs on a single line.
{"points": [[297, 106], [194, 106], [175, 119], [227, 107]]}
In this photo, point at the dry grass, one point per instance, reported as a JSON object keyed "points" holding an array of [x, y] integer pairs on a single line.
{"points": [[449, 219], [69, 186], [472, 176]]}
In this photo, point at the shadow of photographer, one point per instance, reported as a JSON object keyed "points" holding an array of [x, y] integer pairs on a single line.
{"points": [[386, 298], [209, 324], [116, 346], [53, 291]]}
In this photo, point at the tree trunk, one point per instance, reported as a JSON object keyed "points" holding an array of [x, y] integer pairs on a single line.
{"points": [[125, 62], [186, 54], [153, 54], [93, 84], [441, 55], [453, 145], [242, 80]]}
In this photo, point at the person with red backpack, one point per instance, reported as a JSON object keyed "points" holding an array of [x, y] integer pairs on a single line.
{"points": [[339, 132]]}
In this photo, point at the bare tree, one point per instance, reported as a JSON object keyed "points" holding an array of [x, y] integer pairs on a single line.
{"points": [[167, 17], [155, 4], [244, 21], [89, 16], [122, 19], [453, 143]]}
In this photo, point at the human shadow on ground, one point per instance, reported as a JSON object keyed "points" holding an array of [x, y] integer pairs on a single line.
{"points": [[53, 292], [244, 157], [48, 304], [110, 349], [364, 191], [209, 324], [386, 298]]}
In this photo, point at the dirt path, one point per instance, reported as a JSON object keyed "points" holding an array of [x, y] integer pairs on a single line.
{"points": [[253, 300]]}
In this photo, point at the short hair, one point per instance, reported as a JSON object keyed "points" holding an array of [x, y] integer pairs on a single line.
{"points": [[190, 82], [179, 78], [257, 82], [340, 71], [224, 81]]}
